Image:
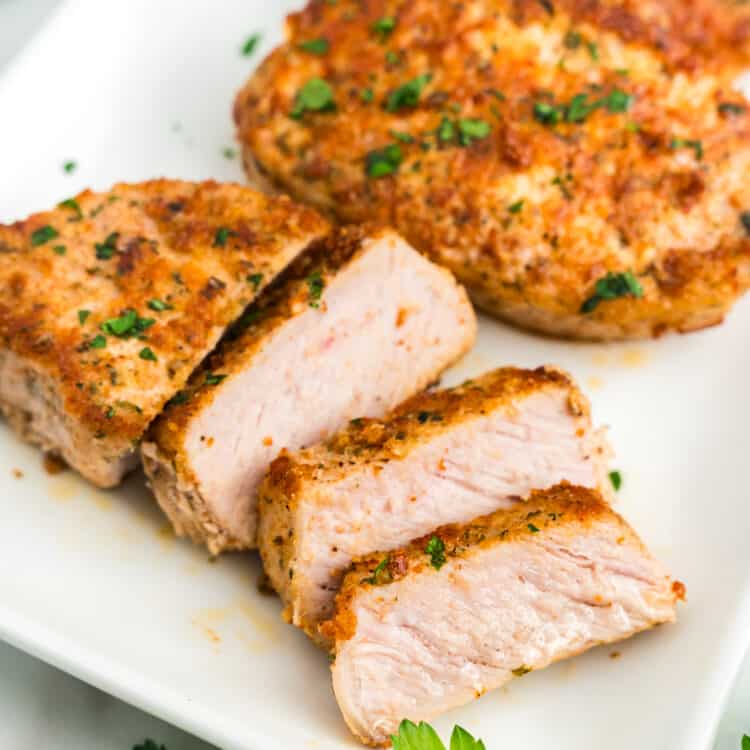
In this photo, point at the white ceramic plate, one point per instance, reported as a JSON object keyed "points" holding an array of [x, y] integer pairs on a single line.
{"points": [[94, 583]]}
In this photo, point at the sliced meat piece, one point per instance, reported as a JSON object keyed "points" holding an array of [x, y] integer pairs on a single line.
{"points": [[356, 325], [582, 167], [442, 457], [110, 301], [436, 624]]}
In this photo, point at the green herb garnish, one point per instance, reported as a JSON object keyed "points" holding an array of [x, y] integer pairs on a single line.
{"points": [[423, 737], [315, 286], [59, 249], [83, 316], [732, 109], [381, 574], [384, 162], [384, 26], [251, 44], [436, 550], [315, 96], [43, 234], [105, 250], [72, 204], [127, 325], [149, 745], [473, 130], [256, 279], [367, 95], [613, 286], [533, 529], [521, 671], [697, 146], [315, 46], [213, 378], [159, 305], [408, 94], [69, 167], [446, 130], [616, 478], [745, 221], [221, 236], [98, 342], [147, 354], [516, 208]]}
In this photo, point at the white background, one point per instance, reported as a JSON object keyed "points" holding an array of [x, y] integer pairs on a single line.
{"points": [[42, 708]]}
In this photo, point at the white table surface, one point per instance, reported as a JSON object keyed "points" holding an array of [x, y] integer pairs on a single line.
{"points": [[40, 707]]}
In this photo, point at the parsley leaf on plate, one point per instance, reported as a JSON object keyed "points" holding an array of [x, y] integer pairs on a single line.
{"points": [[423, 737]]}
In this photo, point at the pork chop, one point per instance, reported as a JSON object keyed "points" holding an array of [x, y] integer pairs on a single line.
{"points": [[582, 167], [434, 625], [442, 457], [357, 324], [110, 301]]}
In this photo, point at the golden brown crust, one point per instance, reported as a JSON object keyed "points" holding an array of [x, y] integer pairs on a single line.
{"points": [[301, 285], [652, 190], [189, 246], [562, 504]]}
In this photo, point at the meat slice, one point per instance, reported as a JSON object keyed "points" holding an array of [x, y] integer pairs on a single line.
{"points": [[356, 325], [583, 167], [110, 301], [442, 457], [438, 623]]}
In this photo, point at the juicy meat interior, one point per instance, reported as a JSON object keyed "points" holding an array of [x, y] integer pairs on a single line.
{"points": [[356, 325], [434, 625], [442, 457]]}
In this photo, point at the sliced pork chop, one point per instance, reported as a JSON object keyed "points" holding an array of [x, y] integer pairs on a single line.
{"points": [[356, 325], [583, 167], [110, 301], [442, 457], [436, 624]]}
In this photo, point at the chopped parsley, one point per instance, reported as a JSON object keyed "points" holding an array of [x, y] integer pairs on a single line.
{"points": [[315, 287], [473, 130], [72, 204], [256, 279], [105, 250], [69, 167], [251, 44], [423, 737], [403, 137], [228, 152], [745, 221], [593, 49], [384, 162], [221, 236], [159, 305], [732, 109], [580, 107], [436, 550], [213, 378], [129, 324], [83, 316], [43, 234], [98, 342], [613, 286], [408, 94], [616, 478], [697, 146], [381, 574], [573, 39], [367, 95], [181, 397], [315, 46], [745, 742], [392, 57], [516, 208], [59, 249], [315, 96], [446, 130], [384, 27], [533, 529], [147, 354]]}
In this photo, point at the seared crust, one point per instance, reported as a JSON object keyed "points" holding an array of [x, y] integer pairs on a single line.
{"points": [[190, 247], [562, 504], [655, 188]]}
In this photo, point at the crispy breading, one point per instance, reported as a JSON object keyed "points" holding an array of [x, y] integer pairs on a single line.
{"points": [[534, 148], [111, 300]]}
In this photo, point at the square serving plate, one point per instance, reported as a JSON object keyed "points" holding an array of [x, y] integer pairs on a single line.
{"points": [[94, 582]]}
